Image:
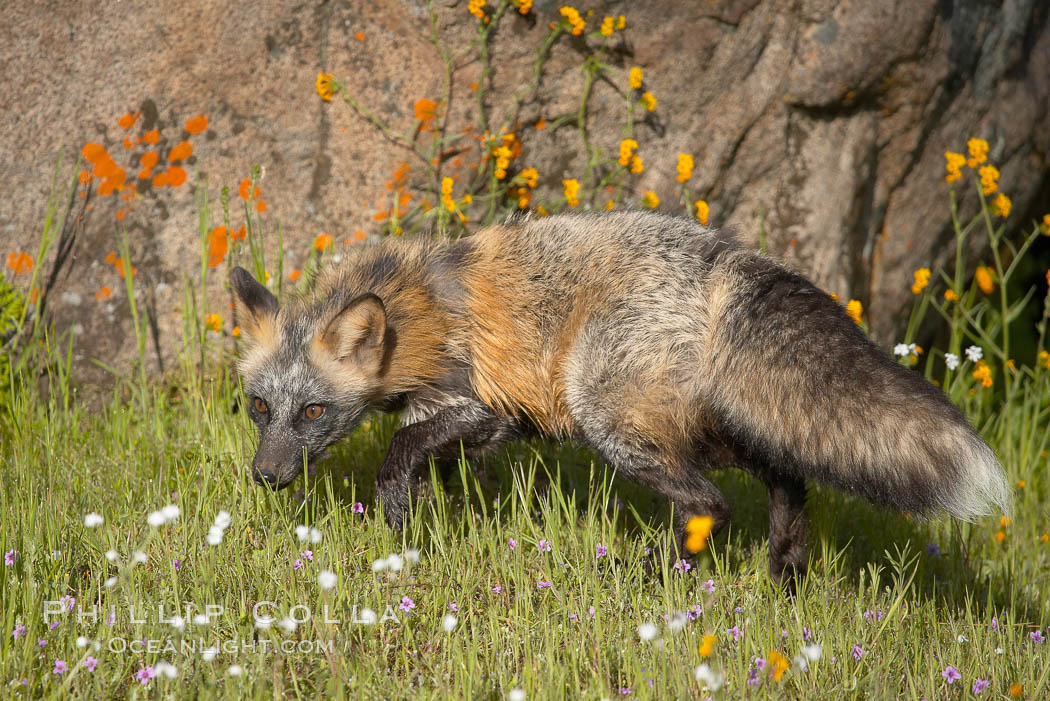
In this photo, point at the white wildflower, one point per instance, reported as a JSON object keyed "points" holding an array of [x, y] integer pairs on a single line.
{"points": [[647, 631], [200, 620], [367, 617], [315, 535], [302, 533], [974, 353], [93, 520], [112, 555], [327, 579], [155, 519], [951, 360], [235, 670], [139, 557], [209, 653], [677, 622], [110, 582], [82, 641], [448, 623], [812, 652], [516, 695], [222, 519], [379, 565], [288, 624], [901, 349], [712, 680], [166, 668], [394, 562], [171, 512], [412, 556]]}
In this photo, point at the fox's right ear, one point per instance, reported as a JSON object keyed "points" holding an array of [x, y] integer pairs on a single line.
{"points": [[255, 307]]}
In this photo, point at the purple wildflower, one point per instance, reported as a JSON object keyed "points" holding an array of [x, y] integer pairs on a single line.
{"points": [[144, 675], [806, 632], [60, 667], [41, 643], [858, 652], [601, 551], [357, 508], [19, 631], [297, 564], [10, 556], [625, 691], [647, 550], [738, 609], [53, 625], [497, 589], [453, 607], [544, 546], [542, 585], [591, 611], [511, 543], [406, 604], [869, 614], [951, 674], [708, 586], [760, 663], [980, 685], [307, 555], [178, 565], [68, 601], [1037, 635], [682, 566], [735, 632], [752, 677], [933, 549], [573, 617]]}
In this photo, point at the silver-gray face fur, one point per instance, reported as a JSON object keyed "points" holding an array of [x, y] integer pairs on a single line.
{"points": [[664, 345]]}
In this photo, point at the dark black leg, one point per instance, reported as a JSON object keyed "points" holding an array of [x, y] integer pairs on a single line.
{"points": [[468, 427], [787, 530]]}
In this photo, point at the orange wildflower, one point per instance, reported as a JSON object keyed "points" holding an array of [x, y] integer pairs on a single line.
{"points": [[360, 36], [218, 245], [360, 235], [426, 113], [240, 234], [245, 189], [197, 125], [260, 206], [127, 121], [93, 152], [20, 262], [322, 241], [180, 152], [295, 275], [160, 179], [129, 143], [85, 177], [176, 175], [149, 159], [105, 293], [151, 137]]}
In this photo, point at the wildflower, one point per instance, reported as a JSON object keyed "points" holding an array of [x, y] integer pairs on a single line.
{"points": [[989, 179], [812, 652], [634, 78], [326, 86], [145, 674], [647, 631], [19, 262], [950, 295], [297, 565], [608, 26], [1001, 205], [706, 677], [933, 548], [523, 6], [1037, 636], [90, 662], [543, 584], [854, 309], [858, 652], [394, 562], [683, 566], [601, 551], [974, 353], [214, 322], [902, 349], [684, 167], [530, 176], [327, 579], [627, 147], [448, 623], [978, 149], [707, 646], [10, 556], [19, 631], [197, 125], [572, 190], [235, 670], [955, 161], [544, 546], [649, 101], [426, 110], [322, 241], [735, 632], [180, 152], [922, 279], [983, 373], [516, 695], [1021, 484], [60, 667], [357, 508], [511, 543], [708, 586], [951, 674], [702, 211], [650, 200], [778, 665], [636, 164], [576, 23], [497, 589], [697, 531]]}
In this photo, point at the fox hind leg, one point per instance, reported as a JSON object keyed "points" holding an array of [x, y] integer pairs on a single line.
{"points": [[787, 529]]}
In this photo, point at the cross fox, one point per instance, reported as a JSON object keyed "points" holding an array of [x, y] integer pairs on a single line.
{"points": [[664, 345]]}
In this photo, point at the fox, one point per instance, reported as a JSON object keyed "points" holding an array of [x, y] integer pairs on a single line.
{"points": [[666, 346]]}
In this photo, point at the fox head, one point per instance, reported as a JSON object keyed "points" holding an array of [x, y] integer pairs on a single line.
{"points": [[309, 372]]}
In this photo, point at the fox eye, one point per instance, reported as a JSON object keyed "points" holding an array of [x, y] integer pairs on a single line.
{"points": [[313, 412], [260, 405]]}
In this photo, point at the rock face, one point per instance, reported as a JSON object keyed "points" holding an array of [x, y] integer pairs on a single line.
{"points": [[822, 123]]}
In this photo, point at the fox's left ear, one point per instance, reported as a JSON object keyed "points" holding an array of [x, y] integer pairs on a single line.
{"points": [[358, 333], [255, 307]]}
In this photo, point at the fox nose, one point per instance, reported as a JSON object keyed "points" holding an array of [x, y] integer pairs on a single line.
{"points": [[265, 478]]}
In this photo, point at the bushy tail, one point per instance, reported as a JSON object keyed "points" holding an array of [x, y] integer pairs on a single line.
{"points": [[803, 390]]}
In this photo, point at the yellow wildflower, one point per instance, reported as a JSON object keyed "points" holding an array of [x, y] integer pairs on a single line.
{"points": [[955, 161], [541, 211], [326, 86], [649, 101], [778, 665], [627, 147], [854, 309], [708, 645], [1005, 521], [477, 8], [1000, 536], [621, 22], [214, 322], [922, 279], [1044, 358], [236, 333], [983, 372], [1016, 690], [636, 164], [950, 295], [576, 23], [1001, 205], [446, 194], [1011, 365], [634, 78], [1045, 226], [572, 190], [989, 179], [609, 206], [1044, 538], [702, 211], [697, 530], [530, 176], [523, 6], [685, 167], [608, 26], [1021, 484], [984, 279], [978, 149], [650, 200]]}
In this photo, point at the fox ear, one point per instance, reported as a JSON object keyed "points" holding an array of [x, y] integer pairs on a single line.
{"points": [[358, 332], [255, 307]]}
